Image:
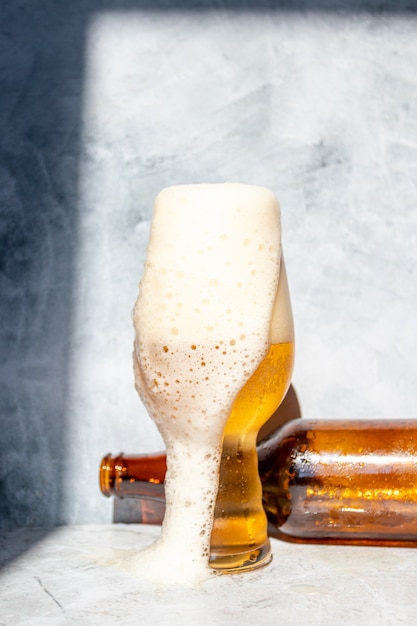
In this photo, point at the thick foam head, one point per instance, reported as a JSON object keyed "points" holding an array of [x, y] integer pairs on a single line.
{"points": [[203, 314]]}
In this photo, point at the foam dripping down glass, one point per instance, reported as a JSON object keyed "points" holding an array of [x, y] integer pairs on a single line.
{"points": [[213, 359]]}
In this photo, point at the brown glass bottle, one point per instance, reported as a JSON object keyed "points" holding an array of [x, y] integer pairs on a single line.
{"points": [[323, 481], [343, 481], [140, 477]]}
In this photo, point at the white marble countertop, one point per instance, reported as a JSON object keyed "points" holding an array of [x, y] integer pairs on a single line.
{"points": [[64, 576]]}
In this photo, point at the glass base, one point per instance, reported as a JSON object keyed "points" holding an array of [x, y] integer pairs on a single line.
{"points": [[233, 563]]}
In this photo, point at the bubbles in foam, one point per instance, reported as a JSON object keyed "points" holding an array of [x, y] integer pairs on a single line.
{"points": [[225, 281]]}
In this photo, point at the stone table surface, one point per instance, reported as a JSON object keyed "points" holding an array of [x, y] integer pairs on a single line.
{"points": [[65, 576]]}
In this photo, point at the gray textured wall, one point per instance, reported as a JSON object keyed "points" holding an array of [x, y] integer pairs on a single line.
{"points": [[105, 103]]}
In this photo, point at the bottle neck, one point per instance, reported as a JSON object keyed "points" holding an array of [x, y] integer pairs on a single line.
{"points": [[133, 476]]}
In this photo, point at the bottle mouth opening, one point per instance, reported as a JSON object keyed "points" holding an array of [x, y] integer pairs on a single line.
{"points": [[107, 475]]}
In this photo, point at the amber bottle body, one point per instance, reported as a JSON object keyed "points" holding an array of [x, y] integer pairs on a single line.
{"points": [[332, 480], [322, 480]]}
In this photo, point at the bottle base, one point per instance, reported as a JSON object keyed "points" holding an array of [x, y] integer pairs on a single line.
{"points": [[233, 563]]}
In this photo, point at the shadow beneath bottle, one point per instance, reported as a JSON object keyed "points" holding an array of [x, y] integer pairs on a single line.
{"points": [[334, 541]]}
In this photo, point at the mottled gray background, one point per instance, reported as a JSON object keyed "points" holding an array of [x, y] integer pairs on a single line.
{"points": [[103, 103]]}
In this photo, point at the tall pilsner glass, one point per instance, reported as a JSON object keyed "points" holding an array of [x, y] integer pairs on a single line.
{"points": [[213, 358]]}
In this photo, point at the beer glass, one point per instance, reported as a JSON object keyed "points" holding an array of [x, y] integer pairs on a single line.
{"points": [[213, 359]]}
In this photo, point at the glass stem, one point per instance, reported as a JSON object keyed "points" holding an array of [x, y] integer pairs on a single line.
{"points": [[189, 508]]}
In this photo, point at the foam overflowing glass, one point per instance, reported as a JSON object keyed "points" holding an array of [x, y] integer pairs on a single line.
{"points": [[213, 356]]}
